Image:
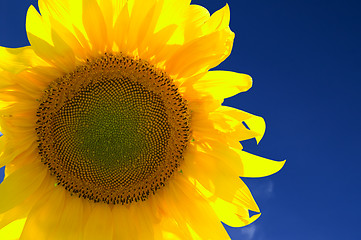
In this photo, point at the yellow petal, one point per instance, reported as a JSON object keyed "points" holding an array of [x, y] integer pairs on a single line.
{"points": [[12, 215], [69, 37], [36, 25], [16, 60], [196, 17], [71, 222], [22, 210], [28, 84], [212, 170], [122, 229], [63, 20], [39, 35], [223, 84], [219, 20], [201, 54], [118, 6], [45, 216], [41, 39], [108, 10], [69, 14], [142, 214], [183, 202], [158, 42], [258, 125], [121, 28], [235, 113], [12, 152], [230, 121], [13, 230], [201, 218], [172, 13], [255, 166], [167, 230], [141, 18], [94, 25], [233, 212], [64, 51], [20, 185], [99, 224]]}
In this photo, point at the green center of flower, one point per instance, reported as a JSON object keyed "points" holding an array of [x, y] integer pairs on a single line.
{"points": [[114, 130]]}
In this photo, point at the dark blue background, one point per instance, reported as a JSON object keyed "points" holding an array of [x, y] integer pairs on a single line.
{"points": [[305, 59]]}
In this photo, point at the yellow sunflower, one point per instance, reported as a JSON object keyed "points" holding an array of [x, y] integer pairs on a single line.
{"points": [[113, 125]]}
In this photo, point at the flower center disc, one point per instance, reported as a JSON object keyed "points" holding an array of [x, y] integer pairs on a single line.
{"points": [[114, 130]]}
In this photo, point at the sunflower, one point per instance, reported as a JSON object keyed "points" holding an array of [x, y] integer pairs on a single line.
{"points": [[113, 124]]}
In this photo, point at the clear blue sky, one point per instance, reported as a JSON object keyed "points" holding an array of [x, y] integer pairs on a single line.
{"points": [[305, 60]]}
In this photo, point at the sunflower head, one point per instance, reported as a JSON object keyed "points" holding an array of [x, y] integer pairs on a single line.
{"points": [[114, 130], [114, 126]]}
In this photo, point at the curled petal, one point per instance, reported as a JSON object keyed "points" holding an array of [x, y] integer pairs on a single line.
{"points": [[255, 166]]}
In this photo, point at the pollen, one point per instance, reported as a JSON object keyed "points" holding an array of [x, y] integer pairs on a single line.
{"points": [[114, 130]]}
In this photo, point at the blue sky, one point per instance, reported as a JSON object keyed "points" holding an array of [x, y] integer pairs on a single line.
{"points": [[305, 60]]}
